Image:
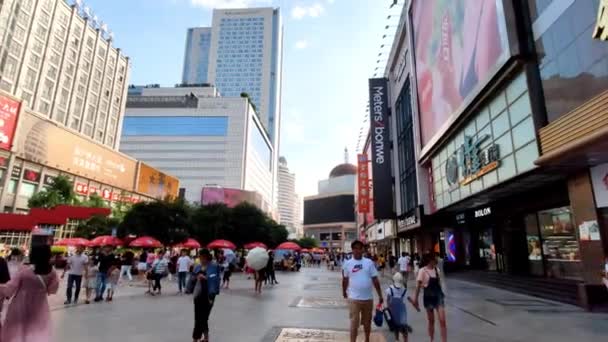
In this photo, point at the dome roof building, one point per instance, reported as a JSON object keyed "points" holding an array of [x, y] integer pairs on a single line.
{"points": [[343, 170]]}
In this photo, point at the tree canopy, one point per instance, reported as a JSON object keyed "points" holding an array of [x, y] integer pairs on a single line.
{"points": [[306, 242], [60, 192]]}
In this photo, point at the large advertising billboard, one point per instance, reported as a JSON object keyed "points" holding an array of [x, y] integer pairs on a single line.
{"points": [[333, 209], [459, 46], [382, 178], [44, 142], [9, 112], [230, 197], [156, 183]]}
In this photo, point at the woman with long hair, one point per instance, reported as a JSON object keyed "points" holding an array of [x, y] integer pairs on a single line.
{"points": [[28, 318], [429, 280]]}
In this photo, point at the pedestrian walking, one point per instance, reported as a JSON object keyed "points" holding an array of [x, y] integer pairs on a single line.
{"points": [[4, 278], [183, 268], [15, 260], [113, 279], [429, 280], [126, 265], [395, 298], [359, 277], [392, 261], [75, 269], [404, 264], [28, 317], [206, 289], [142, 265], [270, 272], [106, 261], [90, 282], [159, 270]]}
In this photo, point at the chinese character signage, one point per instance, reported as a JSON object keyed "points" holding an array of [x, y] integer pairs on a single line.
{"points": [[380, 144], [155, 183], [9, 112], [46, 143], [48, 180], [470, 161], [363, 183], [82, 189]]}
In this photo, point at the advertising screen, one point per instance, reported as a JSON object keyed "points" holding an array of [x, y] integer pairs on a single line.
{"points": [[44, 142], [9, 111], [230, 197], [156, 183], [329, 209], [458, 47]]}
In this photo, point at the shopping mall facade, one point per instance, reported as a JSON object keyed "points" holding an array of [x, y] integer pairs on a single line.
{"points": [[500, 141]]}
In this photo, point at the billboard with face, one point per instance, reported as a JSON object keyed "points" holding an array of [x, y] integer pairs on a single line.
{"points": [[9, 112], [459, 46]]}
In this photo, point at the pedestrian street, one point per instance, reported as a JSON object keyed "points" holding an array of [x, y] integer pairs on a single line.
{"points": [[307, 306]]}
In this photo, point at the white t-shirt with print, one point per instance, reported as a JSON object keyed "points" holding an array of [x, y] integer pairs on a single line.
{"points": [[183, 264], [360, 273], [403, 262], [77, 264]]}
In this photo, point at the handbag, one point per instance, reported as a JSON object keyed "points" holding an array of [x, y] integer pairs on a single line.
{"points": [[379, 316]]}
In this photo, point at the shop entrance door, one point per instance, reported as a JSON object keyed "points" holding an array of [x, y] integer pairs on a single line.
{"points": [[490, 251]]}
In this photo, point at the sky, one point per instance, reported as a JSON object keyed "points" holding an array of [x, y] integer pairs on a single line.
{"points": [[330, 51]]}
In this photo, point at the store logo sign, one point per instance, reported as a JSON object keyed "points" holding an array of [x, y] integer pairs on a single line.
{"points": [[483, 212], [601, 25], [470, 162]]}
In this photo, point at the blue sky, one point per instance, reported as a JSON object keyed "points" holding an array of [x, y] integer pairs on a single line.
{"points": [[330, 50]]}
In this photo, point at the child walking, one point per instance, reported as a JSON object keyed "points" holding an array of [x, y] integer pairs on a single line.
{"points": [[90, 282], [114, 276], [395, 295]]}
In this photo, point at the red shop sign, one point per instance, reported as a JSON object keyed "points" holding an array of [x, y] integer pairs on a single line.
{"points": [[9, 112], [82, 189]]}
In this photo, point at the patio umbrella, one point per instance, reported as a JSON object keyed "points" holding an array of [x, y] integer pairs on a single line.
{"points": [[257, 258], [73, 242], [190, 243], [105, 240], [317, 250], [253, 245], [146, 242], [292, 246], [221, 244], [305, 250]]}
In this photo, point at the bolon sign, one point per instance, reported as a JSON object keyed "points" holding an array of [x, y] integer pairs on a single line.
{"points": [[381, 172]]}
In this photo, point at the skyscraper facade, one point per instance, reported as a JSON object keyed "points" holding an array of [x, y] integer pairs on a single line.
{"points": [[60, 60], [288, 200], [245, 56], [196, 58]]}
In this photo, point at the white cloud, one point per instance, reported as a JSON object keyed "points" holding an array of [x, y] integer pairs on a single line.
{"points": [[228, 3], [313, 11], [301, 44]]}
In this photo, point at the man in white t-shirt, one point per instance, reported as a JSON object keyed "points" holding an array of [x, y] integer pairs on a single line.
{"points": [[75, 269], [359, 277], [183, 268], [404, 262]]}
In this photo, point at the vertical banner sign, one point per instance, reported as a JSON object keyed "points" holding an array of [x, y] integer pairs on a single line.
{"points": [[363, 183], [9, 110], [381, 172]]}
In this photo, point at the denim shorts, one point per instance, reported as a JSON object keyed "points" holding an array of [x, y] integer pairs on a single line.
{"points": [[434, 302]]}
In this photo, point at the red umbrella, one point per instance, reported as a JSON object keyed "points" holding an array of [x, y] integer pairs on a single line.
{"points": [[253, 245], [146, 242], [73, 242], [105, 240], [317, 250], [190, 243], [289, 246], [304, 250], [221, 244]]}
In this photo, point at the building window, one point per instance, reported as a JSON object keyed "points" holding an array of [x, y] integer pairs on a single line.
{"points": [[405, 150], [27, 190], [175, 126], [12, 186]]}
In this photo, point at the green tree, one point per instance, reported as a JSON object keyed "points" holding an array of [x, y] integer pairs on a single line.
{"points": [[96, 226], [61, 192], [169, 222], [306, 242], [95, 201]]}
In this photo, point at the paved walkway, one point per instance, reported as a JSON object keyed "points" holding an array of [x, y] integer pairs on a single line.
{"points": [[307, 306]]}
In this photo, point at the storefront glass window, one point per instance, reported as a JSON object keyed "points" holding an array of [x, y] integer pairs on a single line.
{"points": [[27, 190], [535, 253], [560, 245], [12, 186]]}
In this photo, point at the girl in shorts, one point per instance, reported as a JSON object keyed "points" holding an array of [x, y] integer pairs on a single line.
{"points": [[90, 282], [430, 280], [114, 276]]}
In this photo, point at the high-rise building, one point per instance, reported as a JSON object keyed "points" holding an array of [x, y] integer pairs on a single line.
{"points": [[245, 56], [59, 59], [201, 138], [196, 58], [288, 200]]}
